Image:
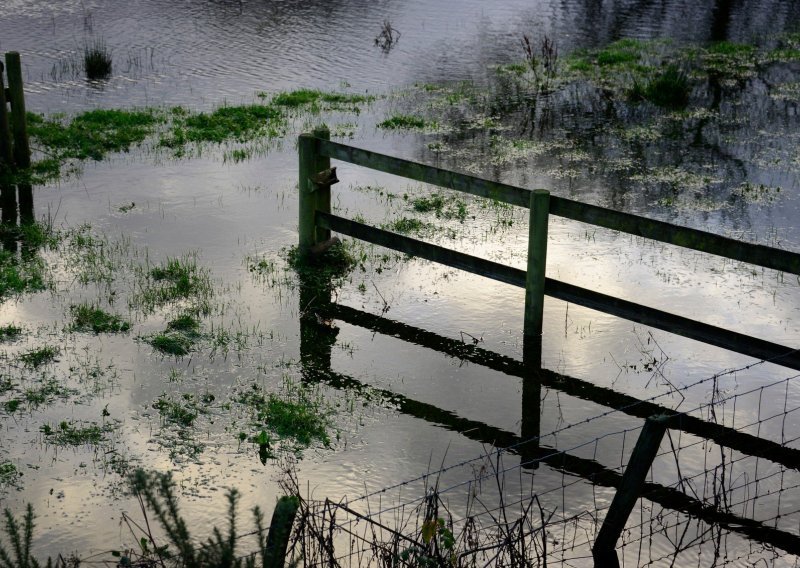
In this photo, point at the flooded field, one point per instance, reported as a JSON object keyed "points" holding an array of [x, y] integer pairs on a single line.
{"points": [[152, 316]]}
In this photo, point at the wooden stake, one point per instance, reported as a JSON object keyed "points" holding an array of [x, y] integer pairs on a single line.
{"points": [[629, 491], [6, 161], [280, 529], [22, 150]]}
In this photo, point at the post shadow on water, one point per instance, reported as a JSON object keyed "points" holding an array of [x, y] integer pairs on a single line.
{"points": [[16, 210]]}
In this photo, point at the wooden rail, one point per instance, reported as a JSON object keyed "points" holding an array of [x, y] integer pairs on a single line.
{"points": [[703, 241]]}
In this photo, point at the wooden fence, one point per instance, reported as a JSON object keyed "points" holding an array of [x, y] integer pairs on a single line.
{"points": [[316, 221]]}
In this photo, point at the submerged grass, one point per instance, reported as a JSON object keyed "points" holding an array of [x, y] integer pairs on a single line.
{"points": [[407, 122], [312, 98], [69, 433], [35, 358], [97, 61], [87, 317], [177, 279], [10, 332], [292, 420]]}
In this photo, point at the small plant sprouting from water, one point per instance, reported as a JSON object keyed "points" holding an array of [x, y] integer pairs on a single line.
{"points": [[542, 62], [156, 491], [668, 89], [69, 433], [35, 358], [21, 538], [87, 317], [291, 420], [176, 279], [406, 122], [97, 62], [10, 332], [388, 36]]}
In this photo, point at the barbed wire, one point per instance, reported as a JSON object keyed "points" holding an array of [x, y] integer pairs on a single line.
{"points": [[552, 433]]}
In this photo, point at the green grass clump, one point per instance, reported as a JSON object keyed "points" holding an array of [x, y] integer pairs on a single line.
{"points": [[668, 89], [97, 61], [181, 412], [442, 205], [35, 358], [620, 52], [89, 135], [9, 474], [730, 48], [306, 97], [172, 343], [296, 418], [408, 225], [91, 318], [175, 280], [185, 323], [405, 122], [46, 392], [10, 332], [20, 275], [76, 433], [332, 265], [241, 123]]}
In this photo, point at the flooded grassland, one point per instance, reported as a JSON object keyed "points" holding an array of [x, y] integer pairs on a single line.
{"points": [[151, 300]]}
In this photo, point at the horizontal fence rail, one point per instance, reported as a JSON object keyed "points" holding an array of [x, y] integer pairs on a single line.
{"points": [[719, 337], [703, 241]]}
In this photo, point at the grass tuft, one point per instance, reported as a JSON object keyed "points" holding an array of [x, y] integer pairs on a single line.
{"points": [[91, 318], [97, 60], [35, 358], [406, 122]]}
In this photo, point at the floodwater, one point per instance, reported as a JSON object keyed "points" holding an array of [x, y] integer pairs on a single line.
{"points": [[200, 55]]}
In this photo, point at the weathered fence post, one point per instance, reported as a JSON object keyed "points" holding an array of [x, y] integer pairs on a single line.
{"points": [[532, 331], [16, 95], [629, 491], [280, 529], [313, 195], [6, 161], [537, 261]]}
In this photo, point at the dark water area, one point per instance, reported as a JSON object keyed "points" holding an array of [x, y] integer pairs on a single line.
{"points": [[204, 53], [441, 380]]}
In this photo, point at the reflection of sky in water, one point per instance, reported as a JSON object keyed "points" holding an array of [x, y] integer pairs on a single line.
{"points": [[207, 53]]}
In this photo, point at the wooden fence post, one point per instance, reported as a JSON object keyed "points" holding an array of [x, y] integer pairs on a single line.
{"points": [[280, 529], [537, 261], [629, 491], [6, 161], [22, 150], [312, 196]]}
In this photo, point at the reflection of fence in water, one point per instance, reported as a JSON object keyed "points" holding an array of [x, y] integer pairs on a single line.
{"points": [[742, 487], [492, 509]]}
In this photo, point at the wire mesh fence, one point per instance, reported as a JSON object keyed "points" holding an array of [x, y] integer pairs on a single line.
{"points": [[527, 504]]}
